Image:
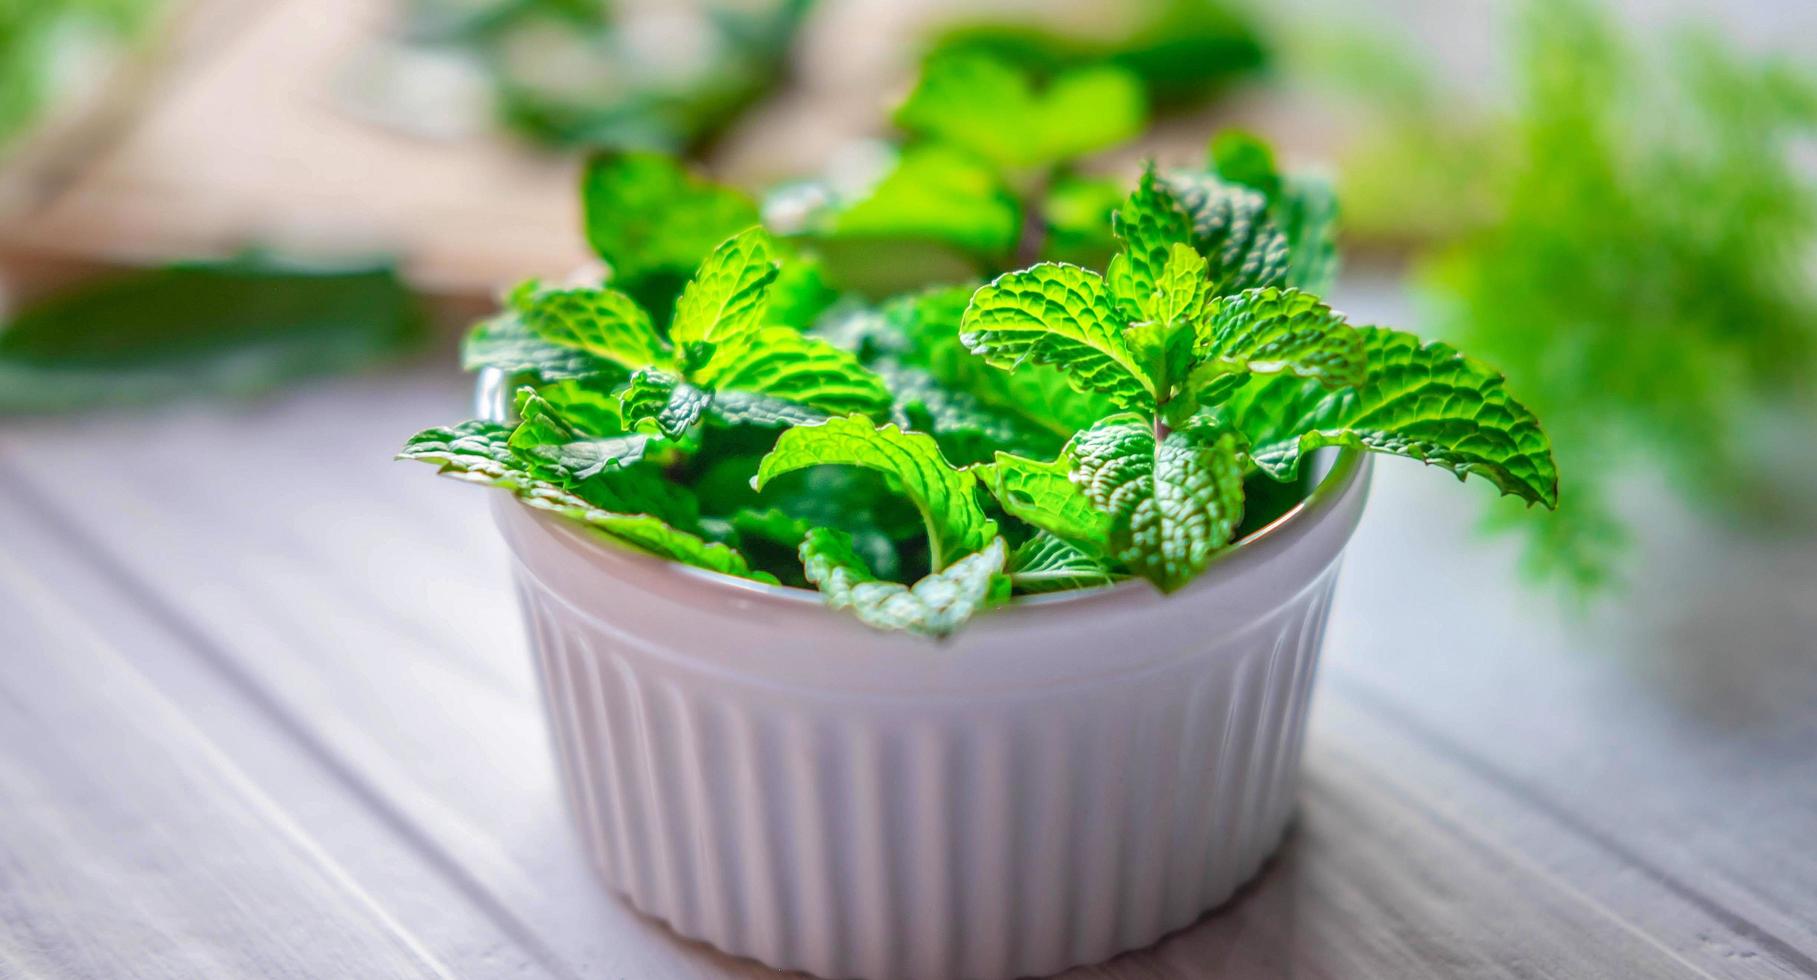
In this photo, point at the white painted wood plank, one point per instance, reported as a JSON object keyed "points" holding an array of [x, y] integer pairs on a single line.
{"points": [[132, 846]]}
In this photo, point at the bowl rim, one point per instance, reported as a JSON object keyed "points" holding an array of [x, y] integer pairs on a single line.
{"points": [[492, 396]]}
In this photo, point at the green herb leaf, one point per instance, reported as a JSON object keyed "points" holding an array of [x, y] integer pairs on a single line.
{"points": [[505, 342], [935, 606], [1304, 206], [475, 452], [652, 220], [1150, 224], [234, 328], [1032, 398], [480, 452], [784, 364], [946, 497], [604, 323], [1270, 331], [1423, 401], [992, 109], [1059, 315], [1232, 228], [1044, 495], [938, 193], [1172, 504], [649, 533], [659, 399], [1045, 563], [723, 305]]}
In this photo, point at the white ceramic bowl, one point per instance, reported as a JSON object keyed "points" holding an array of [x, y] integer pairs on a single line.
{"points": [[1066, 779]]}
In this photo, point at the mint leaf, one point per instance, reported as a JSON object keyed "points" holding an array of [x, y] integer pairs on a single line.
{"points": [[652, 220], [1232, 228], [967, 428], [1149, 224], [1164, 345], [1043, 494], [475, 452], [1035, 398], [647, 532], [1172, 504], [939, 193], [946, 497], [935, 606], [723, 305], [1423, 401], [1269, 331], [1303, 206], [479, 452], [1045, 563], [661, 399], [782, 363], [604, 323], [992, 109], [1060, 315], [235, 328], [505, 342], [573, 438]]}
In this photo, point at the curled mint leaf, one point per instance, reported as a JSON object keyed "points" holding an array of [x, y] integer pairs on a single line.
{"points": [[946, 497], [1046, 563], [935, 606], [1422, 400], [505, 342], [1172, 502], [1044, 495]]}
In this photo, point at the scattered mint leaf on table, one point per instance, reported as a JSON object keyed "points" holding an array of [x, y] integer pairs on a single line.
{"points": [[230, 328]]}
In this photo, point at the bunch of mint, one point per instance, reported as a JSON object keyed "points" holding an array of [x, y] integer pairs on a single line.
{"points": [[926, 457]]}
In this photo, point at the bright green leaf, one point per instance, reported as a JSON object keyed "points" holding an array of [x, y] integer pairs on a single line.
{"points": [[946, 497], [1044, 495], [723, 304], [1423, 401], [602, 322], [1149, 224], [1045, 563], [648, 217], [783, 363], [1059, 315], [1272, 331]]}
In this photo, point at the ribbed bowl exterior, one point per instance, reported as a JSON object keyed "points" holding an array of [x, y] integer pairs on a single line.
{"points": [[1052, 787]]}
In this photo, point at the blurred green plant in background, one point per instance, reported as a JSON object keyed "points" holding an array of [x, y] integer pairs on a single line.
{"points": [[1633, 244], [48, 45], [570, 73], [1184, 52]]}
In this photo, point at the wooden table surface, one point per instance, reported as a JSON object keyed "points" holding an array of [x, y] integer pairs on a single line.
{"points": [[266, 708], [266, 711]]}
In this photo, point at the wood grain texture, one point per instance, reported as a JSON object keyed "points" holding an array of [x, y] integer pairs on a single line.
{"points": [[1488, 793]]}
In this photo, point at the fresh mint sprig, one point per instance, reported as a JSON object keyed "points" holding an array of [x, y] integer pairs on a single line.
{"points": [[922, 459]]}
